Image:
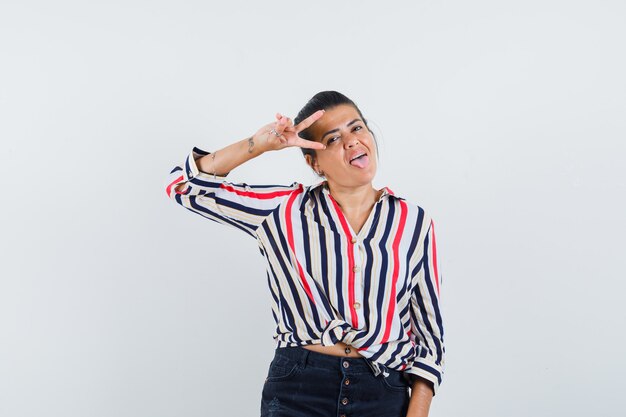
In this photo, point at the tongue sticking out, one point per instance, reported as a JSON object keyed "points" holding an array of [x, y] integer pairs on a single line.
{"points": [[361, 162]]}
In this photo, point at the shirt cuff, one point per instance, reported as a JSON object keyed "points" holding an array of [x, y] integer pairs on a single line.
{"points": [[427, 370], [193, 174]]}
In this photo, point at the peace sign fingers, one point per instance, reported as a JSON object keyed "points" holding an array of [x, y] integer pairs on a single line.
{"points": [[308, 121], [282, 133], [287, 130], [309, 144]]}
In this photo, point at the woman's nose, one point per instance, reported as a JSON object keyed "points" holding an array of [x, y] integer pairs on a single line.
{"points": [[351, 141]]}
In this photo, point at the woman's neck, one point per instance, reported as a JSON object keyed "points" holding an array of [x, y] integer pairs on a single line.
{"points": [[354, 200]]}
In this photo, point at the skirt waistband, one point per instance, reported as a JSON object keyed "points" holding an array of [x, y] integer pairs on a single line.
{"points": [[345, 364]]}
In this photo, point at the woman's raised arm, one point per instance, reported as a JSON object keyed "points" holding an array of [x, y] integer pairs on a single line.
{"points": [[273, 136], [199, 183]]}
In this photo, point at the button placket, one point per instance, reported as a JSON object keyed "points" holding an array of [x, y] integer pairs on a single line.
{"points": [[358, 281], [362, 255]]}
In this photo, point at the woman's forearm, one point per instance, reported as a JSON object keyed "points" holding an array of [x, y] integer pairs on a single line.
{"points": [[271, 137], [421, 397], [224, 160]]}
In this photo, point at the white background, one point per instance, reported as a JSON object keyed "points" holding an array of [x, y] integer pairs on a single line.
{"points": [[505, 120]]}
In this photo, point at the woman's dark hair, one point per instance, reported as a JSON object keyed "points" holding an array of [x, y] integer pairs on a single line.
{"points": [[324, 100]]}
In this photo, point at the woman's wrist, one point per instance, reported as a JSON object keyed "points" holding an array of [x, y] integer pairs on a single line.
{"points": [[421, 397]]}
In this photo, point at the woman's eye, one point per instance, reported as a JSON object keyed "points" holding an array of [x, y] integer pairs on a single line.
{"points": [[357, 128], [331, 140]]}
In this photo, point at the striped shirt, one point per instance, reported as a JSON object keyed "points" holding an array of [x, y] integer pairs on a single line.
{"points": [[376, 290]]}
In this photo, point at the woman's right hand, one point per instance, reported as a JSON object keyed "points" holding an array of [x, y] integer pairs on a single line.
{"points": [[287, 134]]}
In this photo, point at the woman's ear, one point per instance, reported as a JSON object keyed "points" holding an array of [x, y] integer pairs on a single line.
{"points": [[312, 162]]}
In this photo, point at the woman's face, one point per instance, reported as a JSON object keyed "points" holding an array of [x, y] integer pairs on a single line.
{"points": [[349, 159]]}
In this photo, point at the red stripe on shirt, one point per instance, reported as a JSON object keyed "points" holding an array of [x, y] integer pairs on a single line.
{"points": [[290, 240], [168, 190], [346, 230], [396, 271], [434, 248], [260, 196]]}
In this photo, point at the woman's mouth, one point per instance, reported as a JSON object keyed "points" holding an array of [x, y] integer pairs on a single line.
{"points": [[360, 161]]}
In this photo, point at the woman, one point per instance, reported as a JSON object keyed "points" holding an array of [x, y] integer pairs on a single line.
{"points": [[352, 270]]}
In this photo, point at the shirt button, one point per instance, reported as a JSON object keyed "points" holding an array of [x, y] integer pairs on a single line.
{"points": [[346, 364], [357, 305], [354, 240], [356, 269], [347, 381], [344, 401]]}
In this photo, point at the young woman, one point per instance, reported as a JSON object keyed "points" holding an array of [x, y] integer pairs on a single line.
{"points": [[352, 270]]}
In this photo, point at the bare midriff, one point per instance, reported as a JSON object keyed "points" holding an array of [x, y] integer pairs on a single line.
{"points": [[338, 349]]}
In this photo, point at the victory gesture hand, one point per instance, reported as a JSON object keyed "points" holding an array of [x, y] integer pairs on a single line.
{"points": [[282, 133]]}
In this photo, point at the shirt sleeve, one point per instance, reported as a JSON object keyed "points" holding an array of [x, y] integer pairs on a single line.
{"points": [[240, 205], [426, 322]]}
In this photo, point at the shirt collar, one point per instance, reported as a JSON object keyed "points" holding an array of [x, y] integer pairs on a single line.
{"points": [[323, 186]]}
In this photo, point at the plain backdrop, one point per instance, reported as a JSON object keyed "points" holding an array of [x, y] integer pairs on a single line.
{"points": [[505, 120]]}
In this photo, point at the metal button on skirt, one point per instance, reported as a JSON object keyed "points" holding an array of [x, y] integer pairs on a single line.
{"points": [[303, 383]]}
